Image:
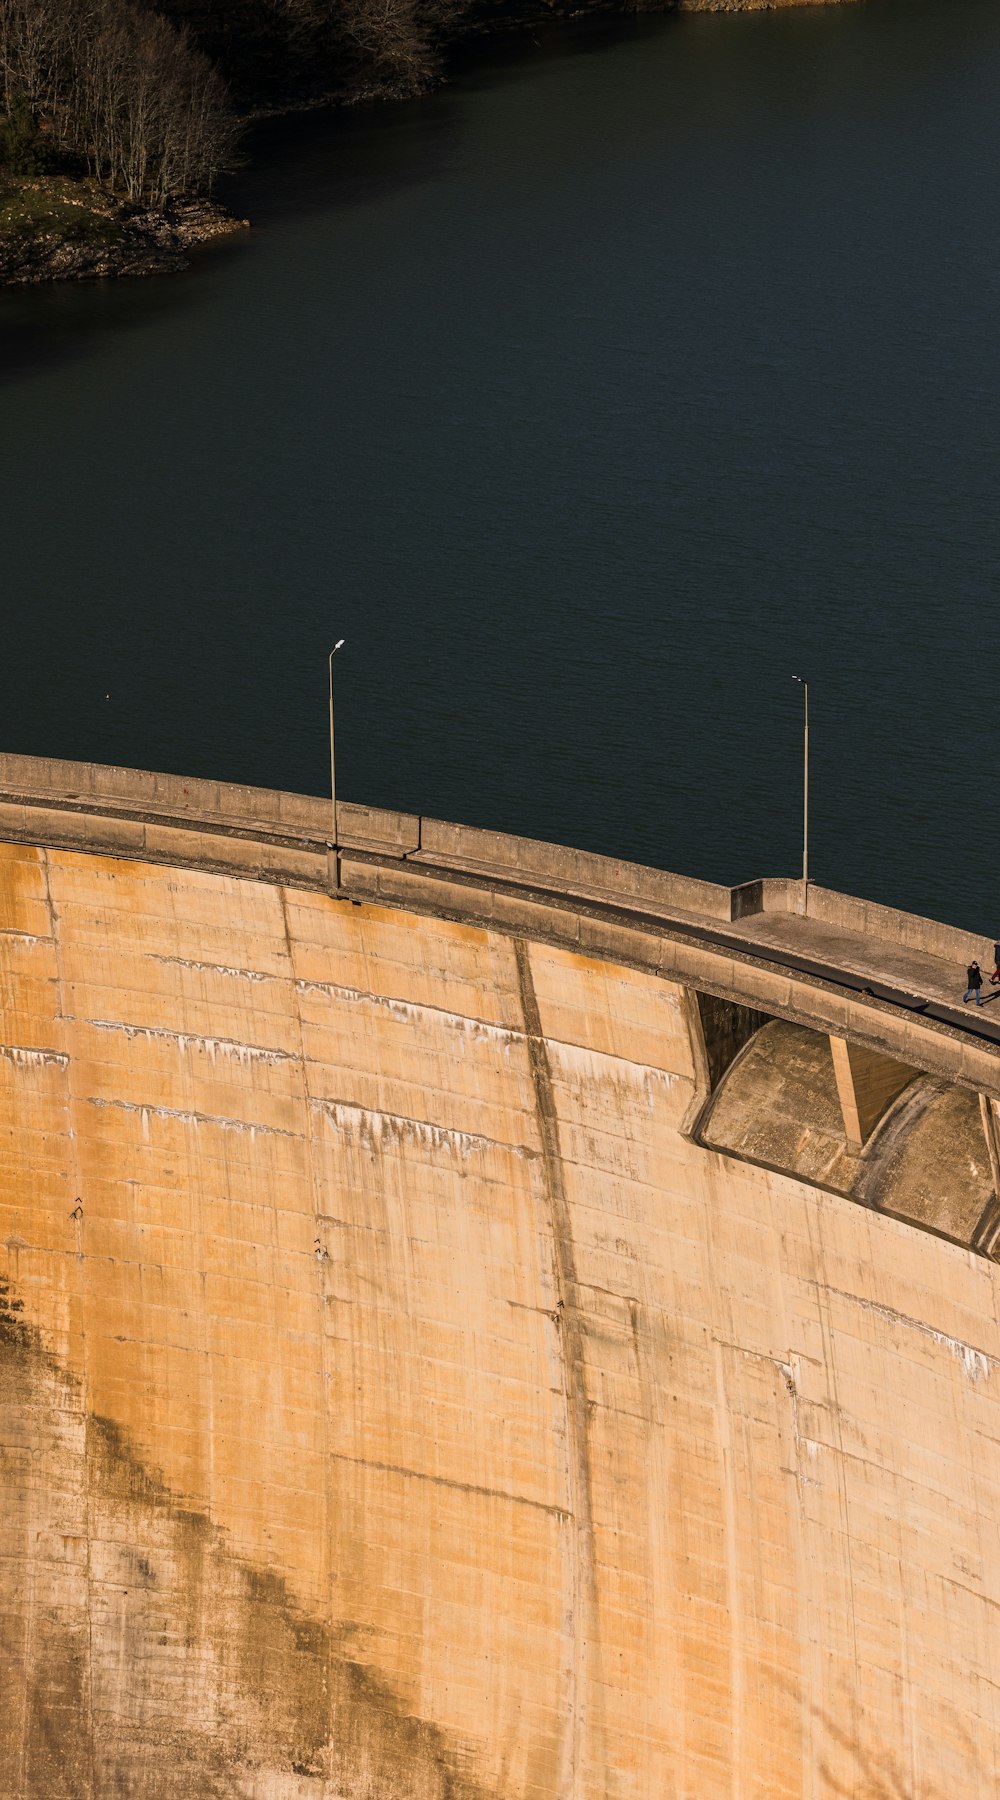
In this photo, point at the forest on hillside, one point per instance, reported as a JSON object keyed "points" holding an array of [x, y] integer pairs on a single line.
{"points": [[147, 98]]}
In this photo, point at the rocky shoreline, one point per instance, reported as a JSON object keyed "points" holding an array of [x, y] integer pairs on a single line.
{"points": [[88, 235]]}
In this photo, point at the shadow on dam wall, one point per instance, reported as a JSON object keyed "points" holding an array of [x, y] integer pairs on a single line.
{"points": [[141, 1658], [180, 1672]]}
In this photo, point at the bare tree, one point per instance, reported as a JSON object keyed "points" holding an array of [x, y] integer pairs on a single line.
{"points": [[116, 85], [398, 40], [389, 34]]}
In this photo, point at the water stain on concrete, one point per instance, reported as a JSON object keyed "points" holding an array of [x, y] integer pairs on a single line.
{"points": [[160, 1666]]}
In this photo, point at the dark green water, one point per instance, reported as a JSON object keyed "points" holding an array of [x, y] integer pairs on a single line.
{"points": [[590, 400]]}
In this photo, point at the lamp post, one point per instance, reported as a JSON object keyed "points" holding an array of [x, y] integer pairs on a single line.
{"points": [[339, 645], [803, 683]]}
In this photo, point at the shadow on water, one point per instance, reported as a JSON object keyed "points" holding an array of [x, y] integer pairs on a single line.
{"points": [[292, 165], [301, 162], [44, 326], [296, 164]]}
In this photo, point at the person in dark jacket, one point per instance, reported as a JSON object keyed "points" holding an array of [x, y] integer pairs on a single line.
{"points": [[975, 975], [996, 962]]}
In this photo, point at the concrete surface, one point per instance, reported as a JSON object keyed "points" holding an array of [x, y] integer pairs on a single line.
{"points": [[395, 1399], [867, 1085], [780, 1104]]}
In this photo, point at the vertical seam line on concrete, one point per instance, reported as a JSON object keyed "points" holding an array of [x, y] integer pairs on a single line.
{"points": [[734, 1595], [585, 1613], [828, 1335], [81, 1267], [314, 1193]]}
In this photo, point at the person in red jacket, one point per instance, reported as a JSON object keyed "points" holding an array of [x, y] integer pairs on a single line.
{"points": [[996, 962]]}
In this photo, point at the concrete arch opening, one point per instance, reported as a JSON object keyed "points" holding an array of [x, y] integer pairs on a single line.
{"points": [[842, 1116]]}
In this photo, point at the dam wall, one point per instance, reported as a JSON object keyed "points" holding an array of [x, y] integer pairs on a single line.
{"points": [[439, 1361]]}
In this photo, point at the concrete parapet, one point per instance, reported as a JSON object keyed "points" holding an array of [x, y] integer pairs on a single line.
{"points": [[547, 890], [581, 871], [772, 894], [378, 828], [36, 784], [38, 781], [888, 923]]}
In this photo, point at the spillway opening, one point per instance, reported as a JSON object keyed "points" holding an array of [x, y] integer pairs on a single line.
{"points": [[852, 1120]]}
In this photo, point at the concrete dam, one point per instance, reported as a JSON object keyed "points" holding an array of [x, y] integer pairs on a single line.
{"points": [[482, 1321]]}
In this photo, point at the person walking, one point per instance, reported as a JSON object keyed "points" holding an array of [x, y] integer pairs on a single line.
{"points": [[996, 962], [975, 975]]}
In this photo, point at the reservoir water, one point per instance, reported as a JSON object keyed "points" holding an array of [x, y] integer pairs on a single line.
{"points": [[590, 399]]}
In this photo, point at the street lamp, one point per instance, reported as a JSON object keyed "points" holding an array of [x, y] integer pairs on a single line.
{"points": [[339, 645], [803, 683]]}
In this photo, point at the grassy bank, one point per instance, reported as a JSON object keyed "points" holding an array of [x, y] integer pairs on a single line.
{"points": [[59, 209], [60, 228]]}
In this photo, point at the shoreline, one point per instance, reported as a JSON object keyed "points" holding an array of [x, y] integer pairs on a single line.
{"points": [[63, 229], [68, 228]]}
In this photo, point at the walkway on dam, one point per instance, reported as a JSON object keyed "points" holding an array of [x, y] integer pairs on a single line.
{"points": [[865, 962], [875, 962], [895, 972]]}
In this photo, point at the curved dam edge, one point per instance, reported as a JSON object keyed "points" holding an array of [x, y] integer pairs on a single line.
{"points": [[397, 1398], [884, 977]]}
